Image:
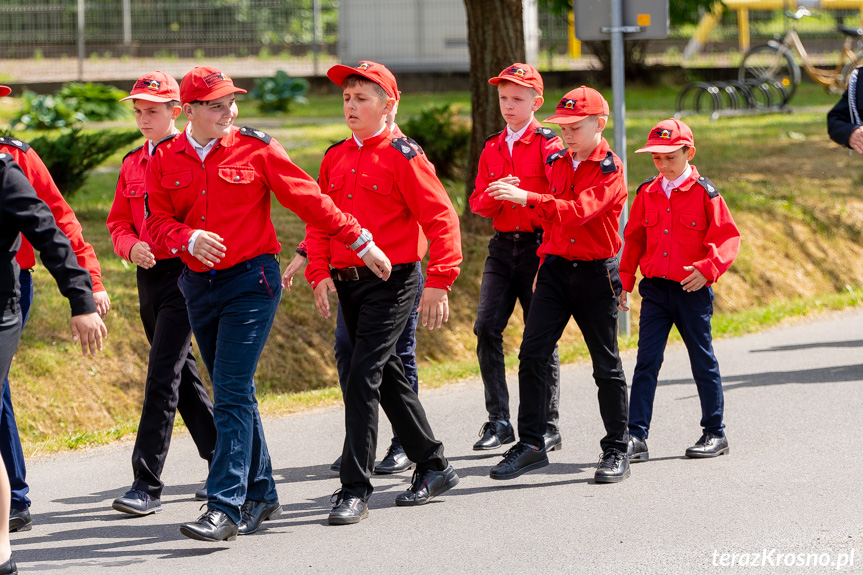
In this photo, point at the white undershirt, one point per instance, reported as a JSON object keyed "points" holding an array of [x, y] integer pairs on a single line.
{"points": [[675, 183], [513, 137]]}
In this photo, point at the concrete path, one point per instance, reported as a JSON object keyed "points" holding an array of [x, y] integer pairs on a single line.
{"points": [[791, 485]]}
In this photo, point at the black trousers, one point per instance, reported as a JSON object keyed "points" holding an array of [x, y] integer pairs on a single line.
{"points": [[375, 313], [586, 291], [172, 378]]}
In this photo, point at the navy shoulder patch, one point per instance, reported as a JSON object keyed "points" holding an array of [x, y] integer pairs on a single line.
{"points": [[607, 165], [14, 142], [708, 186], [408, 148], [262, 136], [130, 153], [547, 133], [644, 183], [555, 156], [334, 145], [495, 135]]}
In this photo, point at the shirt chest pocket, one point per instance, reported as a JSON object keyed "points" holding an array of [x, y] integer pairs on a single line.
{"points": [[532, 171], [238, 185], [650, 223], [135, 194], [495, 172], [692, 228], [378, 193], [557, 187]]}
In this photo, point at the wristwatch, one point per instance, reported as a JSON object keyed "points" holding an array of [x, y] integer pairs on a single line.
{"points": [[365, 237]]}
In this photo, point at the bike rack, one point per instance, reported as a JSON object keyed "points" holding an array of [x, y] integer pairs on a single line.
{"points": [[732, 98]]}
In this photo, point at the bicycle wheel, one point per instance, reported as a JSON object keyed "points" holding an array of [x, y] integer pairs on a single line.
{"points": [[770, 63]]}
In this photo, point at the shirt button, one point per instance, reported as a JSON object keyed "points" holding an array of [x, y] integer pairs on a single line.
{"points": [[666, 231], [177, 184], [203, 192], [513, 207], [572, 240], [668, 210], [492, 174], [553, 190], [375, 188], [663, 277], [350, 196], [236, 178], [693, 223], [203, 218], [665, 254], [133, 192], [518, 228], [353, 171], [332, 185]]}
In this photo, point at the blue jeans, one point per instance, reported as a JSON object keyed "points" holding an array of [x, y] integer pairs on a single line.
{"points": [[231, 312], [406, 347], [664, 303], [10, 442]]}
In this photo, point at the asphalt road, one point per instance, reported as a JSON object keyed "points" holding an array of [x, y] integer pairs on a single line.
{"points": [[791, 485]]}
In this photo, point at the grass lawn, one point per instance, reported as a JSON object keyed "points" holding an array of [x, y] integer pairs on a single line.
{"points": [[790, 189]]}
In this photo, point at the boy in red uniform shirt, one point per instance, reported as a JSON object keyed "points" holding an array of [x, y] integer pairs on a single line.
{"points": [[209, 193], [36, 172], [172, 373], [682, 236], [578, 278], [516, 154], [385, 181]]}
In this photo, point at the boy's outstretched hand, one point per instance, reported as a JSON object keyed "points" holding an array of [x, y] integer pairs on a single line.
{"points": [[622, 301], [90, 331], [377, 261], [694, 281], [296, 265], [434, 307]]}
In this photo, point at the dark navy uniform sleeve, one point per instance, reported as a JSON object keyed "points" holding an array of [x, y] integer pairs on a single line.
{"points": [[840, 125], [22, 211]]}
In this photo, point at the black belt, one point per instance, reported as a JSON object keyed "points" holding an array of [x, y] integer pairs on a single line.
{"points": [[519, 236], [356, 273]]}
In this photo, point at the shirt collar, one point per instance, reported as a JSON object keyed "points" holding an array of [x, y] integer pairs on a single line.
{"points": [[376, 134], [676, 182], [516, 136], [202, 151]]}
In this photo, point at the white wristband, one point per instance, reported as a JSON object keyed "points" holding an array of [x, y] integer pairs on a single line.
{"points": [[366, 249]]}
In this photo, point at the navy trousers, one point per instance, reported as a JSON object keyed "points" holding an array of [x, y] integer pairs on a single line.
{"points": [[664, 303]]}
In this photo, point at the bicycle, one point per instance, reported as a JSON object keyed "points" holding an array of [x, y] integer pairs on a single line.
{"points": [[774, 61]]}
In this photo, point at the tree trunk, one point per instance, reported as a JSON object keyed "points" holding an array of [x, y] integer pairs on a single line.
{"points": [[495, 36]]}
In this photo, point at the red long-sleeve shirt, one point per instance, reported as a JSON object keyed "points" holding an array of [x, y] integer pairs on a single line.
{"points": [[41, 180], [580, 212], [527, 162], [396, 195], [691, 228], [126, 220], [229, 194]]}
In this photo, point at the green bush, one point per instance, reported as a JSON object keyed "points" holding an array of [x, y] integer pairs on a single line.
{"points": [[71, 155], [279, 93], [444, 136], [73, 104]]}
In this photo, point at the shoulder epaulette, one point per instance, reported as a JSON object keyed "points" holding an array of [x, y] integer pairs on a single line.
{"points": [[14, 142], [644, 183], [708, 186], [547, 133], [333, 145], [555, 156], [408, 148], [130, 153], [607, 165], [495, 135], [163, 140], [262, 136]]}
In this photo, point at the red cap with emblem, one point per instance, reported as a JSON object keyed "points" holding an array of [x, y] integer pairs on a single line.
{"points": [[154, 87], [377, 73], [668, 136], [577, 105], [521, 74], [205, 83]]}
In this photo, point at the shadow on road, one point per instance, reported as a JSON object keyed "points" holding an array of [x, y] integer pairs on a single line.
{"points": [[833, 374], [852, 343]]}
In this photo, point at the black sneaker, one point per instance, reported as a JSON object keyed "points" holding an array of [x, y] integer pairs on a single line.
{"points": [[709, 445], [347, 509], [520, 458], [613, 467], [493, 434], [427, 484], [637, 449]]}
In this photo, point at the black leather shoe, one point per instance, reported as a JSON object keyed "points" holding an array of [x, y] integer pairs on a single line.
{"points": [[553, 442], [255, 513], [337, 465], [708, 446], [520, 458], [613, 467], [214, 525], [493, 434], [427, 484], [347, 509], [9, 567], [137, 502], [636, 449], [201, 494], [395, 461], [19, 520]]}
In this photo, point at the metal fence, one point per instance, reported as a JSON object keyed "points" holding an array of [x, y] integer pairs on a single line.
{"points": [[116, 39]]}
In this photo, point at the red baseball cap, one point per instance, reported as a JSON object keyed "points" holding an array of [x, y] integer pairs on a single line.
{"points": [[668, 136], [521, 74], [577, 105], [205, 83], [373, 71], [154, 87], [5, 91]]}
